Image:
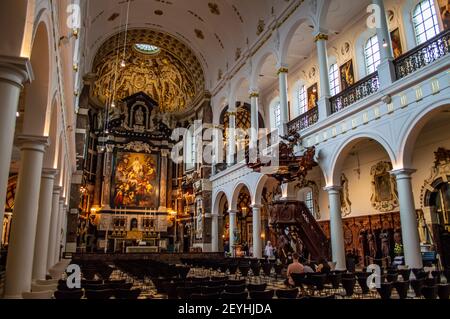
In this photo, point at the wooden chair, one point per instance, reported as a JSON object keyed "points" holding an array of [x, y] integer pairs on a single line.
{"points": [[69, 294], [287, 293], [262, 295]]}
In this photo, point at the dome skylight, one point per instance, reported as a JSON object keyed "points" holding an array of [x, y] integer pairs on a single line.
{"points": [[147, 48]]}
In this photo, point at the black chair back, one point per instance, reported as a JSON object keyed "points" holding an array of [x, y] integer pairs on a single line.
{"points": [[234, 296], [253, 287], [69, 294], [99, 294], [444, 291], [287, 293], [127, 294], [430, 292], [235, 289], [262, 295], [402, 288]]}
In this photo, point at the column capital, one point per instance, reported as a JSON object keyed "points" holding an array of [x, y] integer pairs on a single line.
{"points": [[100, 149], [232, 212], [231, 113], [254, 94], [33, 143], [333, 189], [321, 36], [283, 69], [16, 70], [403, 173], [49, 173], [256, 206]]}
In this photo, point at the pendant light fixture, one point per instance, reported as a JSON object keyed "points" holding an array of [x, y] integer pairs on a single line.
{"points": [[123, 63]]}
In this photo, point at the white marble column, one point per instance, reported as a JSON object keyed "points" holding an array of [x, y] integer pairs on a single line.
{"points": [[21, 248], [43, 224], [336, 227], [215, 233], [231, 137], [408, 218], [163, 181], [232, 215], [254, 101], [13, 73], [325, 91], [283, 86], [386, 70], [58, 230], [53, 227], [383, 34], [257, 240]]}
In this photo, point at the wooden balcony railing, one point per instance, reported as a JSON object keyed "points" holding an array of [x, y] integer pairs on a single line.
{"points": [[423, 55], [358, 91], [304, 121]]}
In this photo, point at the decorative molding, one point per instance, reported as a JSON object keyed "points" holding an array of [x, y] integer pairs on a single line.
{"points": [[321, 36], [138, 146], [440, 170], [282, 70], [346, 204]]}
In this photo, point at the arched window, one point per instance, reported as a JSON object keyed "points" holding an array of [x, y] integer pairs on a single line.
{"points": [[275, 113], [302, 100], [372, 54], [334, 79], [425, 21], [309, 202]]}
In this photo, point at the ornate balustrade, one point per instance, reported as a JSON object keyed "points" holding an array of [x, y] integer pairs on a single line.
{"points": [[423, 55], [304, 121], [358, 91]]}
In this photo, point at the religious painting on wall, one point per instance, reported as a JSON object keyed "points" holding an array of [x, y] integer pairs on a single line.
{"points": [[313, 96], [347, 75], [444, 8], [384, 188], [136, 182], [396, 43]]}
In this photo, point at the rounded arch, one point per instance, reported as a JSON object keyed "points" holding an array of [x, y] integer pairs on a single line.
{"points": [[337, 161], [259, 63], [235, 195], [260, 184], [289, 33], [37, 106], [218, 197], [414, 128], [360, 48], [240, 89]]}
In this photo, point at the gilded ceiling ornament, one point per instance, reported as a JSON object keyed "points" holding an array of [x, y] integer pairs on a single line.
{"points": [[238, 54], [214, 8], [162, 77], [261, 27], [163, 68], [199, 34]]}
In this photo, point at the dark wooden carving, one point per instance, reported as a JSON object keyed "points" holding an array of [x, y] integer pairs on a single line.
{"points": [[292, 220]]}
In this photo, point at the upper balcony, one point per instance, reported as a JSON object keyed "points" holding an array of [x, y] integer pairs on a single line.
{"points": [[405, 66]]}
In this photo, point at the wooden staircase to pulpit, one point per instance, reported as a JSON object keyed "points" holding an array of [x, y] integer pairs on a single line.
{"points": [[295, 217], [288, 215]]}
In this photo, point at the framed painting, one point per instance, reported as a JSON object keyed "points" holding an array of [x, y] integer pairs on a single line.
{"points": [[384, 188], [396, 43], [313, 96], [136, 181], [347, 75]]}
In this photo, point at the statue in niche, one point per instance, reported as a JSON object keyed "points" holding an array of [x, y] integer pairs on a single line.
{"points": [[385, 243], [139, 117], [372, 245]]}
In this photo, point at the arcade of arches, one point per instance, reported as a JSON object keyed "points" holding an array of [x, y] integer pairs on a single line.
{"points": [[222, 133]]}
